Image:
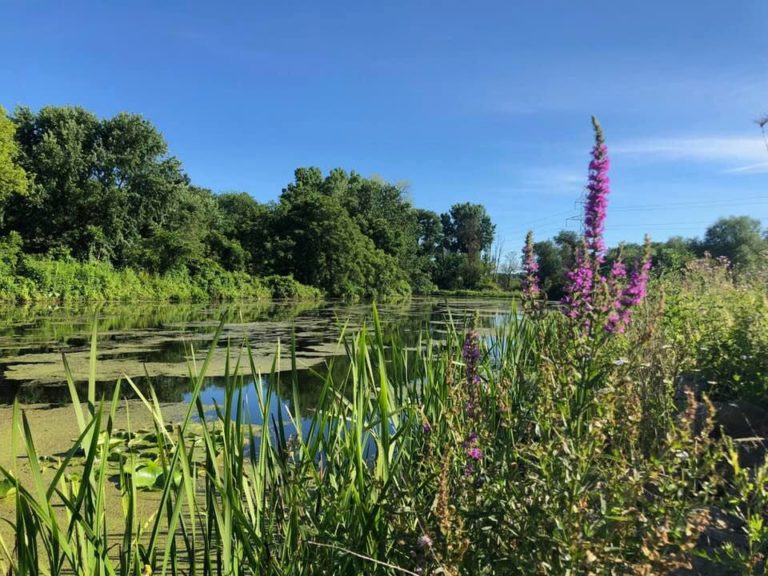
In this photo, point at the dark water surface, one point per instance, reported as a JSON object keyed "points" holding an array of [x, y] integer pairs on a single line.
{"points": [[158, 343]]}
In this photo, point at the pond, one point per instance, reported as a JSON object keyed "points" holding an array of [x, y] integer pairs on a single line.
{"points": [[159, 343]]}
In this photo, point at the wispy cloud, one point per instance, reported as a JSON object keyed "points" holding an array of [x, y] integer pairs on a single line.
{"points": [[732, 154], [542, 182]]}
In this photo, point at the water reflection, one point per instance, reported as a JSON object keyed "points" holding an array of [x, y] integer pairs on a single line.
{"points": [[159, 341]]}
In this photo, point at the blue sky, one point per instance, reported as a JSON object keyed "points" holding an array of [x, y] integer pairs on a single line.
{"points": [[466, 101]]}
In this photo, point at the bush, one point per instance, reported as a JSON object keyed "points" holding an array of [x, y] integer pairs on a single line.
{"points": [[719, 321], [286, 288], [28, 278]]}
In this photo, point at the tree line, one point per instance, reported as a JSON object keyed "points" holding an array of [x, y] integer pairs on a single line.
{"points": [[738, 239], [76, 186]]}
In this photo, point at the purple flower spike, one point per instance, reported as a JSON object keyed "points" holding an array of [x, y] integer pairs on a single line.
{"points": [[598, 188], [530, 284], [632, 295]]}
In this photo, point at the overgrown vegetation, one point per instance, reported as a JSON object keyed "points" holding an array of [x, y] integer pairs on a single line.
{"points": [[739, 239], [32, 278], [513, 452], [590, 438]]}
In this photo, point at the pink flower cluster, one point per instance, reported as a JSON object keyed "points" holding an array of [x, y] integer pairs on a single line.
{"points": [[586, 283], [591, 297], [598, 188], [632, 294]]}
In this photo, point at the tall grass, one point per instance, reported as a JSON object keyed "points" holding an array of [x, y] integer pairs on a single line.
{"points": [[535, 458]]}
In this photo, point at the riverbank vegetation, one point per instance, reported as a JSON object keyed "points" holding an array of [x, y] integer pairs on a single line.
{"points": [[623, 432], [28, 278], [526, 450], [90, 195]]}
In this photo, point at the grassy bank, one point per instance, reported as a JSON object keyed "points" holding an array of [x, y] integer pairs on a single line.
{"points": [[27, 279], [528, 450]]}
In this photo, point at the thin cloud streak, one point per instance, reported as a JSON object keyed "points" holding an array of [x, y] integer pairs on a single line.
{"points": [[744, 155]]}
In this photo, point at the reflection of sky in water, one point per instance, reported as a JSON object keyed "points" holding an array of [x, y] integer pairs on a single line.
{"points": [[279, 409]]}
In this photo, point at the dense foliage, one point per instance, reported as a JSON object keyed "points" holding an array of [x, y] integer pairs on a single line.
{"points": [[526, 450], [737, 239], [34, 278], [584, 439], [107, 191]]}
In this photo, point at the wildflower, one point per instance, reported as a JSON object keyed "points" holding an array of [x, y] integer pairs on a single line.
{"points": [[578, 291], [590, 296], [471, 355], [424, 542], [475, 453], [469, 469], [632, 295], [598, 189], [471, 352], [530, 284], [426, 427]]}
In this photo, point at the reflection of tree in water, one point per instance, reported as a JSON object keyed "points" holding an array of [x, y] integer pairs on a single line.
{"points": [[404, 323], [59, 324]]}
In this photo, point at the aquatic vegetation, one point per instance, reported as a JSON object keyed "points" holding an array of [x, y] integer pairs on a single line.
{"points": [[478, 455]]}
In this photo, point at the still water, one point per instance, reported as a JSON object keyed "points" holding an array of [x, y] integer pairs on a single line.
{"points": [[161, 343]]}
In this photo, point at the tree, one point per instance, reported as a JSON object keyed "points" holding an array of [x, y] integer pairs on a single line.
{"points": [[468, 229], [318, 243], [467, 234], [379, 210], [555, 257], [737, 238], [101, 187], [248, 223], [551, 268], [673, 254], [13, 178]]}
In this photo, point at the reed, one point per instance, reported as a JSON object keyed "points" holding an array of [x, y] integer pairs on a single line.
{"points": [[525, 457]]}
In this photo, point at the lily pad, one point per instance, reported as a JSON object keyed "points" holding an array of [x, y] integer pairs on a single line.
{"points": [[147, 474], [7, 488]]}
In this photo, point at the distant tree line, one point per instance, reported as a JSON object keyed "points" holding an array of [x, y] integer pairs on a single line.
{"points": [[75, 186], [739, 239]]}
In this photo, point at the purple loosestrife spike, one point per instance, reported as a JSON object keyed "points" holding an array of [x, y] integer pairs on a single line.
{"points": [[585, 275], [531, 288], [632, 295], [578, 291], [598, 188], [471, 355]]}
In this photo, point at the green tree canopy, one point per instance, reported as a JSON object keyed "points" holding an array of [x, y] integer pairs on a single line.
{"points": [[100, 186], [468, 229], [13, 178], [738, 238], [318, 243]]}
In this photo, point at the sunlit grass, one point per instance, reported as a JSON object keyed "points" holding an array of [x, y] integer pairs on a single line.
{"points": [[587, 466]]}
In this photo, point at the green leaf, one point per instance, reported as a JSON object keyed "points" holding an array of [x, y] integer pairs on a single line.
{"points": [[7, 487], [147, 475]]}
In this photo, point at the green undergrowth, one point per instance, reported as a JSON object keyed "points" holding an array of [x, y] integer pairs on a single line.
{"points": [[25, 279], [528, 451]]}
